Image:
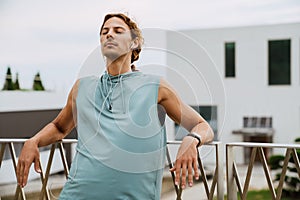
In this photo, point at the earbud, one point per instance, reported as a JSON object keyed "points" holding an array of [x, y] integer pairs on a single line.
{"points": [[131, 45]]}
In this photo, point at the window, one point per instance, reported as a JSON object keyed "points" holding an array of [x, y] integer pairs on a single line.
{"points": [[280, 62], [229, 59], [209, 113]]}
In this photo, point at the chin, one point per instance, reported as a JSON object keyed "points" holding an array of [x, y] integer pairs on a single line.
{"points": [[111, 55]]}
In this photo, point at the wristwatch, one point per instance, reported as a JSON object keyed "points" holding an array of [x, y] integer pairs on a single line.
{"points": [[195, 135]]}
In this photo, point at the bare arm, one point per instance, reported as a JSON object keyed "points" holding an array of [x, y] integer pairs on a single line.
{"points": [[184, 115], [51, 133]]}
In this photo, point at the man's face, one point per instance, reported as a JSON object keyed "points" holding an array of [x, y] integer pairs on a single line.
{"points": [[115, 38]]}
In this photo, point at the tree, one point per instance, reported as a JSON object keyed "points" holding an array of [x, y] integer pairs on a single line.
{"points": [[16, 83], [37, 83], [8, 85]]}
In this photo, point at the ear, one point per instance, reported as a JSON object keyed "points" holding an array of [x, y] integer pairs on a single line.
{"points": [[134, 44]]}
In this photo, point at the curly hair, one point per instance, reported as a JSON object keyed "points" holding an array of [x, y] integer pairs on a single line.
{"points": [[136, 33]]}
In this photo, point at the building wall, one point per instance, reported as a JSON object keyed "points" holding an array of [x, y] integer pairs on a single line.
{"points": [[248, 94]]}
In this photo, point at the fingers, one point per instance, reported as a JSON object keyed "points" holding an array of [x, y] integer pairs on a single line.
{"points": [[183, 175], [196, 171], [23, 168], [25, 174], [177, 172], [176, 169], [28, 155], [21, 173], [185, 169], [18, 172], [186, 164], [190, 174], [37, 165]]}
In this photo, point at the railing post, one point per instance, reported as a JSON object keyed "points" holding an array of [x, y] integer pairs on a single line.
{"points": [[220, 168], [63, 159], [14, 159], [45, 177], [231, 186], [3, 145]]}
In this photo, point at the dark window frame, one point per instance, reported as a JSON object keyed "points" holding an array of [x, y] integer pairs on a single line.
{"points": [[230, 59], [274, 67]]}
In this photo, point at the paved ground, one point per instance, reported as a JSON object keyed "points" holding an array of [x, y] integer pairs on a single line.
{"points": [[258, 181]]}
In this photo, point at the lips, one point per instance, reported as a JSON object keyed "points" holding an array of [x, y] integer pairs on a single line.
{"points": [[110, 43]]}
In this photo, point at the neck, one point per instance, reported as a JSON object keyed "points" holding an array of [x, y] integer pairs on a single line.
{"points": [[118, 66]]}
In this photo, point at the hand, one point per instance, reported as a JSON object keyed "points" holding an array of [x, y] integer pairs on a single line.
{"points": [[186, 160], [29, 154]]}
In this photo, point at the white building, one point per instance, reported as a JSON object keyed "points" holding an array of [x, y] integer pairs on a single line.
{"points": [[264, 80]]}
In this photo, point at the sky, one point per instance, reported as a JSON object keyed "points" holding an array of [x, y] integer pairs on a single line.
{"points": [[55, 37]]}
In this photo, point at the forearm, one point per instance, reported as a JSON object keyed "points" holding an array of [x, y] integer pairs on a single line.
{"points": [[48, 135], [205, 131]]}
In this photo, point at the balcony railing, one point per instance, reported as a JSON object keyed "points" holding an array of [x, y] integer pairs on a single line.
{"points": [[233, 179], [44, 176], [218, 178], [234, 183]]}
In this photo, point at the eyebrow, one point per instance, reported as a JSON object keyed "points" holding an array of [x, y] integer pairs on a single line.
{"points": [[114, 27]]}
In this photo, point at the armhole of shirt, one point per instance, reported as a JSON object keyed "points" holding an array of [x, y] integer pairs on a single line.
{"points": [[160, 111]]}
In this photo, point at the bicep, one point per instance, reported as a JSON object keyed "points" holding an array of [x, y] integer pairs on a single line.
{"points": [[66, 119], [176, 109]]}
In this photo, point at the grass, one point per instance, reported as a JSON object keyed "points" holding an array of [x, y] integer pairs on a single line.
{"points": [[260, 195]]}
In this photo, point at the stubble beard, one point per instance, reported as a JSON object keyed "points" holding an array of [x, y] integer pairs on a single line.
{"points": [[113, 56]]}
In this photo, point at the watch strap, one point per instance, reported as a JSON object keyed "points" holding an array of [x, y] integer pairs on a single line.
{"points": [[195, 135]]}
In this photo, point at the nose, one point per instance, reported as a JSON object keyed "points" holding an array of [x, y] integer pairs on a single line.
{"points": [[109, 34]]}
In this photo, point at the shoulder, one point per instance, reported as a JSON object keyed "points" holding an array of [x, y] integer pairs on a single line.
{"points": [[165, 90], [86, 82], [165, 86], [81, 83], [88, 79]]}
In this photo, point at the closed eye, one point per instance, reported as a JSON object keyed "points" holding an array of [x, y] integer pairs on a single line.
{"points": [[119, 30], [104, 31]]}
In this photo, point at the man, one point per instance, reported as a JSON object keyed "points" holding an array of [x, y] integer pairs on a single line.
{"points": [[121, 141]]}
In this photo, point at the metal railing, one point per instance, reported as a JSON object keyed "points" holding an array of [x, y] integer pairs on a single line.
{"points": [[233, 178], [234, 184], [44, 176], [218, 178]]}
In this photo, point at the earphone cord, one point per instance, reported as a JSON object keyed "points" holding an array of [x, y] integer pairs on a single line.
{"points": [[98, 122]]}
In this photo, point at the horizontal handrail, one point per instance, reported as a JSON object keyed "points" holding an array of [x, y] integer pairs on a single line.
{"points": [[264, 145], [22, 140], [206, 144]]}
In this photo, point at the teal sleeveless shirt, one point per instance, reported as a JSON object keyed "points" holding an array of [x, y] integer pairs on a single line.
{"points": [[120, 153]]}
